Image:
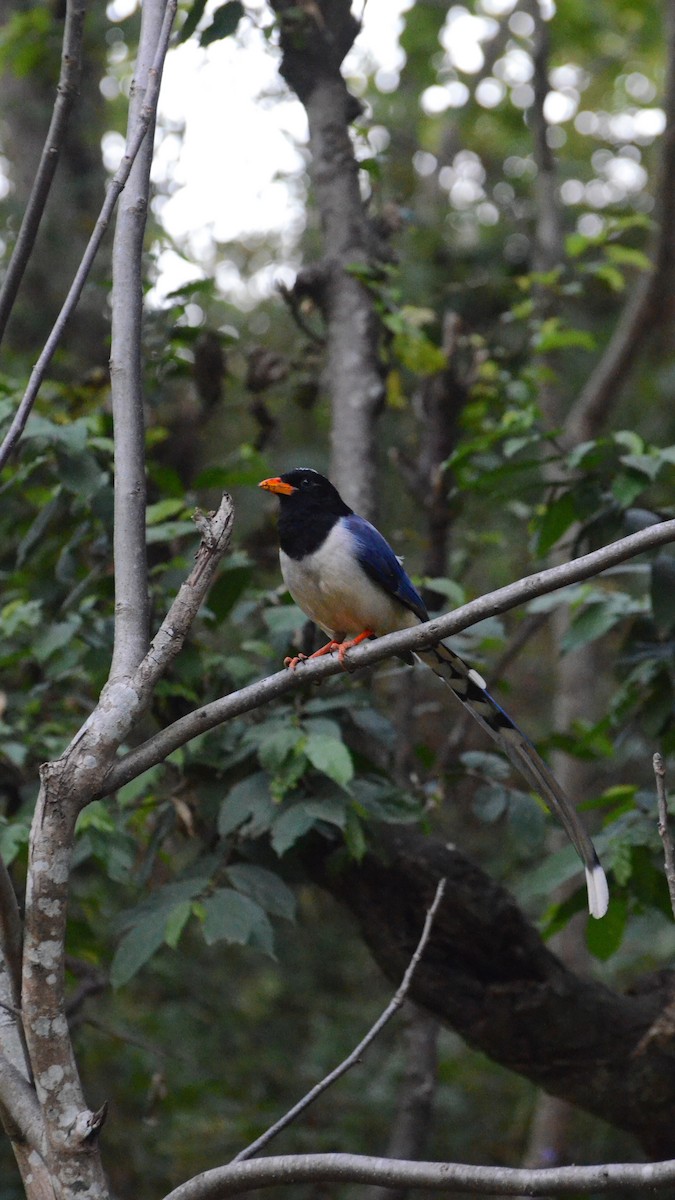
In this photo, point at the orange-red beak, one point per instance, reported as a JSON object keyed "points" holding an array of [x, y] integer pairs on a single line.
{"points": [[277, 485]]}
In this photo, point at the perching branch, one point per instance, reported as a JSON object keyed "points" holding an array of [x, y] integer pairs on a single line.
{"points": [[115, 187], [157, 748], [66, 92], [126, 372], [222, 1182], [664, 830], [355, 1057]]}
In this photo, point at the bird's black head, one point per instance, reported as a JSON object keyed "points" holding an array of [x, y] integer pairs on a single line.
{"points": [[309, 507]]}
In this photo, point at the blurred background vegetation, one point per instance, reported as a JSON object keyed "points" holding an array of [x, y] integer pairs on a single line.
{"points": [[211, 983]]}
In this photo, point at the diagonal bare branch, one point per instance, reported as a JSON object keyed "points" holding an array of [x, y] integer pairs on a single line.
{"points": [[115, 187], [156, 749], [66, 93], [355, 1057]]}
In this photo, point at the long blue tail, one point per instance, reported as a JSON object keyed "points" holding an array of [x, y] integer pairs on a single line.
{"points": [[470, 689]]}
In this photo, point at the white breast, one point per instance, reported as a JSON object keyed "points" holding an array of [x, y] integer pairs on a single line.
{"points": [[334, 591]]}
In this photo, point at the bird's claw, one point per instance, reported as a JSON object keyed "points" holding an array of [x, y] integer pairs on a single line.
{"points": [[292, 663], [341, 647]]}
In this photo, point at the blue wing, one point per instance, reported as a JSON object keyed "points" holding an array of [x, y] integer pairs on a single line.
{"points": [[381, 565]]}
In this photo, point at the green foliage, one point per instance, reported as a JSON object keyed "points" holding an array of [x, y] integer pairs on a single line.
{"points": [[191, 874], [224, 22], [30, 42]]}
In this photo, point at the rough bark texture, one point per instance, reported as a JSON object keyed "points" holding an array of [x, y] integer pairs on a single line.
{"points": [[314, 41], [487, 974], [68, 784]]}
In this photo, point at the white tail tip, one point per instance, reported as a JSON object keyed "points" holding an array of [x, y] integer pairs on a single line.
{"points": [[598, 892]]}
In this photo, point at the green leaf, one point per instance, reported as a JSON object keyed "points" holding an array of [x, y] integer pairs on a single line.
{"points": [[278, 745], [355, 838], [490, 802], [552, 336], [231, 917], [137, 946], [192, 20], [611, 276], [556, 520], [20, 614], [331, 757], [95, 816], [13, 836], [555, 870], [627, 486], [418, 353], [155, 513], [454, 591], [628, 256], [168, 531], [73, 435], [176, 923], [604, 937], [483, 762], [224, 23], [577, 244], [289, 827], [662, 592], [266, 888], [55, 638], [591, 623], [247, 804]]}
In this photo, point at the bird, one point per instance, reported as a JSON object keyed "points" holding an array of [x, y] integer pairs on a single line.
{"points": [[344, 575]]}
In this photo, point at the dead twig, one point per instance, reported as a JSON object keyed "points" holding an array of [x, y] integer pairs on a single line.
{"points": [[664, 831], [356, 1054]]}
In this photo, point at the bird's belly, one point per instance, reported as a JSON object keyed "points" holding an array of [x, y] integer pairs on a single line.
{"points": [[335, 592]]}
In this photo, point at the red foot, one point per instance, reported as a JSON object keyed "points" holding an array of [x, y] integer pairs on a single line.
{"points": [[341, 647], [292, 663], [345, 646]]}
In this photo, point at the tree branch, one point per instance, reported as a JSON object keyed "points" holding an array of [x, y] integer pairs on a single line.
{"points": [[156, 749], [312, 55], [664, 830], [67, 786], [115, 187], [129, 541], [21, 1116], [355, 1057], [289, 1169], [488, 975], [66, 92]]}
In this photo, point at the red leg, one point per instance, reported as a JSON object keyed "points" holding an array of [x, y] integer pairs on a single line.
{"points": [[292, 663], [345, 646], [341, 647]]}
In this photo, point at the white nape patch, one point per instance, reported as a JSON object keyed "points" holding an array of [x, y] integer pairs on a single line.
{"points": [[598, 891], [477, 679]]}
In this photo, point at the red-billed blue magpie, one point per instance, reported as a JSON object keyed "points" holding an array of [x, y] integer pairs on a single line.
{"points": [[344, 575]]}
